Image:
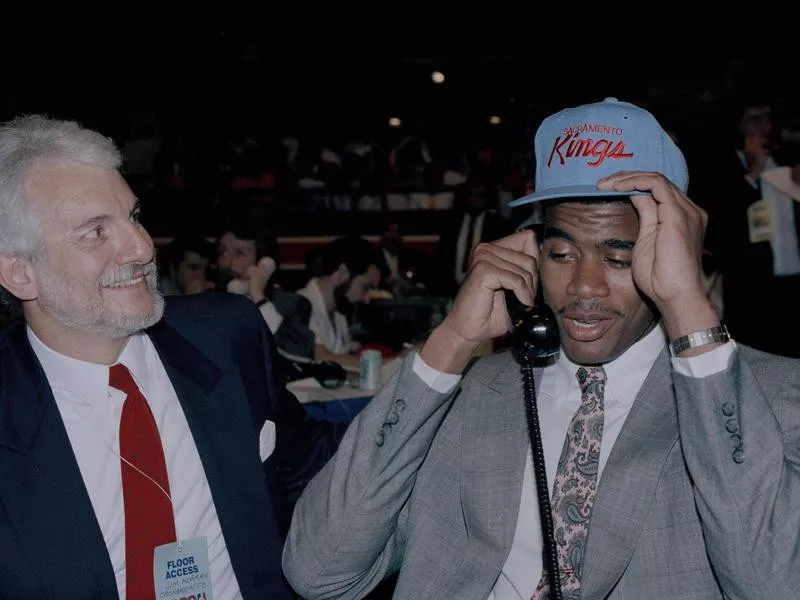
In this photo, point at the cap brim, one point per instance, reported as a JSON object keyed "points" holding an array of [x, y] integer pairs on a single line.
{"points": [[567, 191]]}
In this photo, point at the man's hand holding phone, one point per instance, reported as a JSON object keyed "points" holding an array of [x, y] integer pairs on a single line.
{"points": [[258, 277], [479, 312]]}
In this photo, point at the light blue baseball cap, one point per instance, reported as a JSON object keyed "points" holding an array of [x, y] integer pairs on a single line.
{"points": [[578, 146]]}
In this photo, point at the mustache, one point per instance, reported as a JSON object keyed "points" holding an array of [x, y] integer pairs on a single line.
{"points": [[593, 306], [128, 272]]}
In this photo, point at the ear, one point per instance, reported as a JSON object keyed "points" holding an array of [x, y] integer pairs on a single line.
{"points": [[341, 274], [16, 276]]}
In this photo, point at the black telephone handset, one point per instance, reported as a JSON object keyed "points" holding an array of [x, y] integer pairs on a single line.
{"points": [[535, 341], [534, 334]]}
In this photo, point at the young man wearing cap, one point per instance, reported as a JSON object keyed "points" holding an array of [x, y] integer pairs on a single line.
{"points": [[671, 451]]}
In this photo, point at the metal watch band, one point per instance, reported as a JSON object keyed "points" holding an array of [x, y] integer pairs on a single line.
{"points": [[700, 338]]}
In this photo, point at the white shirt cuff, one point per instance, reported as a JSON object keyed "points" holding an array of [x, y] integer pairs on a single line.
{"points": [[436, 380], [271, 316], [706, 364]]}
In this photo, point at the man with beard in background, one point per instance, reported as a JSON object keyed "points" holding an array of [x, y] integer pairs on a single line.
{"points": [[246, 263]]}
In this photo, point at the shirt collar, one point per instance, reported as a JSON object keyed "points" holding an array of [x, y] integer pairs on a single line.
{"points": [[85, 384], [314, 295], [136, 356], [624, 375]]}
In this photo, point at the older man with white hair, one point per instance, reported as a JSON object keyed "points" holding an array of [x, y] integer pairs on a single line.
{"points": [[136, 452]]}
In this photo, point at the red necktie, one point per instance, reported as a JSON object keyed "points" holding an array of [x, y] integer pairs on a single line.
{"points": [[149, 520]]}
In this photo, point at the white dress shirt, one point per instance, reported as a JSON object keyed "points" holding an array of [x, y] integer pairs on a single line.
{"points": [[268, 310], [91, 411], [392, 262], [558, 398], [330, 329]]}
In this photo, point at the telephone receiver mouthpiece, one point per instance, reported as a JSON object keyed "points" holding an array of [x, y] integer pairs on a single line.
{"points": [[535, 330]]}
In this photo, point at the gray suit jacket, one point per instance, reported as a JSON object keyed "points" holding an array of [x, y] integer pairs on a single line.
{"points": [[429, 485]]}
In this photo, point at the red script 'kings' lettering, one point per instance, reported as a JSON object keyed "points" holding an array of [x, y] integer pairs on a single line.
{"points": [[597, 151]]}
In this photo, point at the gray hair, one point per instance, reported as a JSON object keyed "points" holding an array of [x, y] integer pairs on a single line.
{"points": [[24, 142]]}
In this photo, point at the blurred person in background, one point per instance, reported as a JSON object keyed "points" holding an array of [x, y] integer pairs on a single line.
{"points": [[189, 258], [246, 263], [342, 273]]}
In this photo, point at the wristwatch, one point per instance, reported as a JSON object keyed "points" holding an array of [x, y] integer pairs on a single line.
{"points": [[700, 338]]}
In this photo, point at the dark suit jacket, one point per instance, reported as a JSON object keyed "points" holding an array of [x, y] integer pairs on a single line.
{"points": [[755, 301], [294, 335], [217, 353]]}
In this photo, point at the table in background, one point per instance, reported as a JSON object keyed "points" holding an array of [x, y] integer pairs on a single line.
{"points": [[339, 405]]}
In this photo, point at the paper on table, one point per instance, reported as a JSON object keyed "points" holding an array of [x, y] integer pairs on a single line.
{"points": [[310, 390], [308, 382]]}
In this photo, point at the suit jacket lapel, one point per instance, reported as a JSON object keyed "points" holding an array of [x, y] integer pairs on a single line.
{"points": [[493, 464], [214, 402], [628, 483], [43, 490]]}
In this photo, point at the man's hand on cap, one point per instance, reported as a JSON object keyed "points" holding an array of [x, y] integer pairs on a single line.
{"points": [[667, 255]]}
